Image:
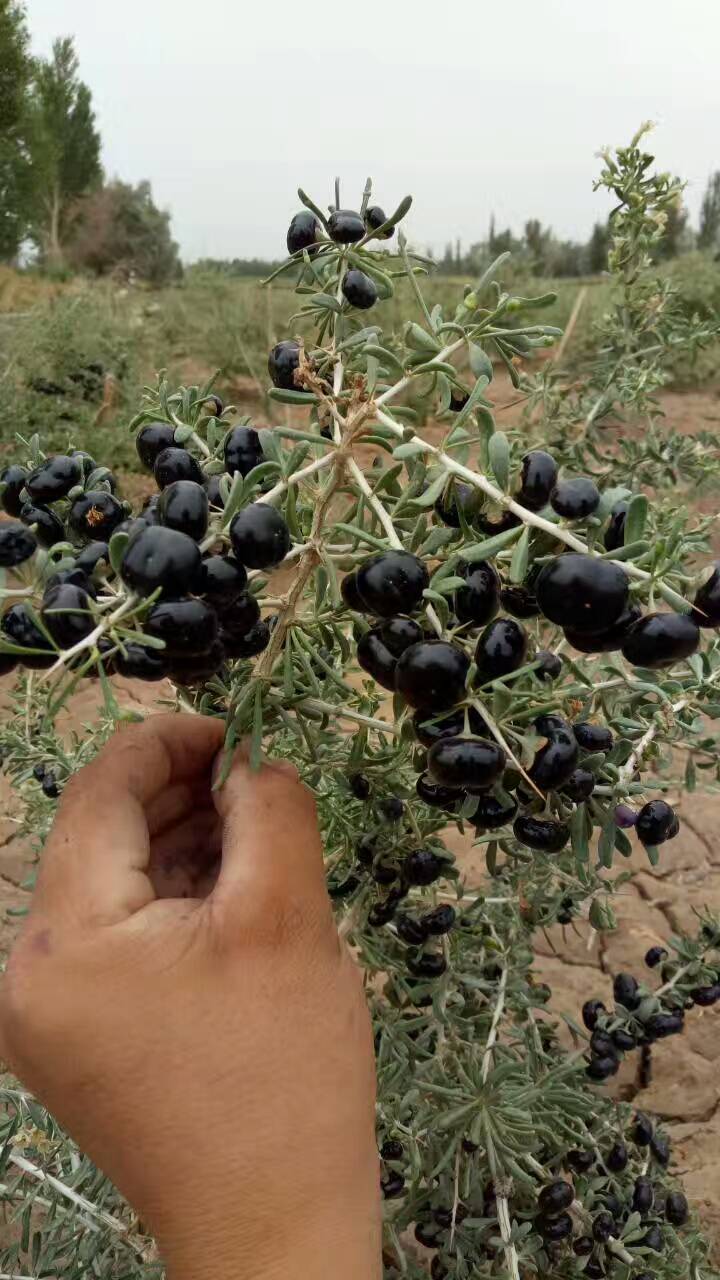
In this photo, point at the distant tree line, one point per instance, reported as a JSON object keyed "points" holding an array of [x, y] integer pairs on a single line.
{"points": [[543, 254], [54, 197]]}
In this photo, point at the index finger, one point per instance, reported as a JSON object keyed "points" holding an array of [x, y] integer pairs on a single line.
{"points": [[94, 867]]}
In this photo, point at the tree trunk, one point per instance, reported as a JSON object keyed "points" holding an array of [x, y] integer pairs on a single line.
{"points": [[53, 248]]}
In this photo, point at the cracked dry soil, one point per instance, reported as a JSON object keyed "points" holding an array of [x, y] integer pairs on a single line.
{"points": [[685, 1086]]}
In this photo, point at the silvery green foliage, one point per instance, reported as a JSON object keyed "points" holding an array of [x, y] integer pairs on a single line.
{"points": [[478, 1091]]}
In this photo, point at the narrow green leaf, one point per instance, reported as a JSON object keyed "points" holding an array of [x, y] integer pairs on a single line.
{"points": [[116, 549], [519, 562], [635, 519], [480, 362], [499, 455]]}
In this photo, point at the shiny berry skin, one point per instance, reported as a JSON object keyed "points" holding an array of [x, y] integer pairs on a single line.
{"points": [[617, 1158], [243, 451], [602, 1068], [427, 1234], [555, 1228], [615, 532], [466, 763], [345, 226], [550, 665], [17, 544], [214, 492], [653, 1238], [392, 1185], [579, 786], [196, 668], [410, 930], [623, 1040], [558, 1196], [76, 577], [625, 990], [607, 641], [92, 553], [374, 218], [183, 505], [391, 582], [160, 557], [662, 1025], [66, 614], [455, 498], [582, 592], [656, 823], [519, 601], [188, 627], [575, 499], [705, 997], [397, 634], [350, 594], [498, 523], [430, 729], [556, 761], [222, 579], [384, 872], [140, 663], [282, 363], [303, 231], [375, 658], [250, 644], [13, 478], [537, 479], [423, 867], [20, 629], [260, 537], [438, 797], [431, 964], [151, 440], [603, 1227], [237, 616], [53, 479], [432, 675], [580, 1161], [544, 834], [643, 1195], [477, 600], [491, 813], [582, 1246], [591, 1011], [439, 921], [706, 612], [176, 464], [458, 400], [47, 526], [95, 515], [50, 787], [654, 956], [593, 737], [660, 1146], [502, 648], [676, 1209], [601, 1044], [392, 1149], [660, 639], [359, 289]]}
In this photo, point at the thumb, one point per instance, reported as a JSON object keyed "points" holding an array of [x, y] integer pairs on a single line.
{"points": [[271, 845]]}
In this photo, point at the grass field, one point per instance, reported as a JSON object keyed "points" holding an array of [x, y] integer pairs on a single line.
{"points": [[50, 332]]}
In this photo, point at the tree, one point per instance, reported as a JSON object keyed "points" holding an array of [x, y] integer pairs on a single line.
{"points": [[709, 232], [65, 147], [597, 249], [120, 227], [15, 71]]}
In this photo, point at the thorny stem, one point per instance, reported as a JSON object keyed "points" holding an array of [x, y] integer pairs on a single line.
{"points": [[88, 641], [81, 1201]]}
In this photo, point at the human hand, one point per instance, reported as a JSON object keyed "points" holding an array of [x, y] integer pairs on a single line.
{"points": [[180, 1001]]}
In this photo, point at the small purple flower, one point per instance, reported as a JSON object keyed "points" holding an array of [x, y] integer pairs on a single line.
{"points": [[625, 816]]}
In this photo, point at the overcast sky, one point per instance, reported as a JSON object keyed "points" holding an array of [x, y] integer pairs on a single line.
{"points": [[473, 107]]}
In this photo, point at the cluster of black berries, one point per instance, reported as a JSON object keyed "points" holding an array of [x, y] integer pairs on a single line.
{"points": [[431, 675], [590, 1230], [205, 613], [306, 234], [48, 781], [639, 1018]]}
